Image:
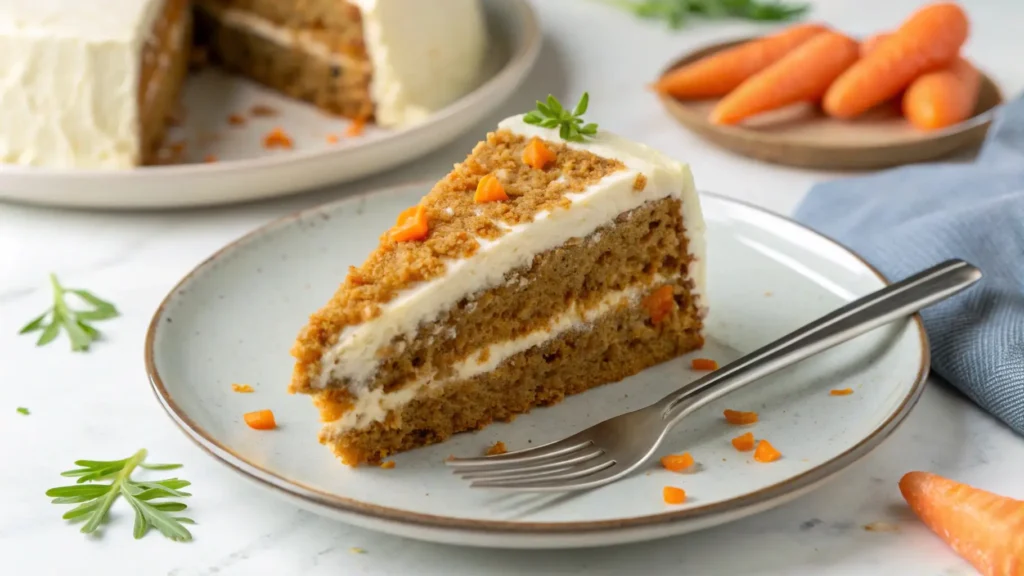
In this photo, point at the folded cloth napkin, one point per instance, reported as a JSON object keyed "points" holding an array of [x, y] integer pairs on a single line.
{"points": [[906, 219]]}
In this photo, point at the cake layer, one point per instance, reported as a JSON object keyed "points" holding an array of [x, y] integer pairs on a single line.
{"points": [[617, 344], [165, 60], [305, 64], [336, 16]]}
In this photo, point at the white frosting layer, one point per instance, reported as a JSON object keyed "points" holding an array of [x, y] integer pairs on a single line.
{"points": [[425, 54], [374, 405], [69, 78], [355, 355]]}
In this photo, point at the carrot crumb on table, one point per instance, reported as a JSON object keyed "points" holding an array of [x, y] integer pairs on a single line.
{"points": [[765, 452], [673, 495], [841, 392], [677, 462], [332, 139], [356, 128], [703, 364], [277, 138], [260, 420], [241, 388], [387, 464], [744, 442], [236, 120], [497, 448], [740, 418]]}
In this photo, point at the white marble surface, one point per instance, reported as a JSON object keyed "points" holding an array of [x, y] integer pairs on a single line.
{"points": [[98, 405]]}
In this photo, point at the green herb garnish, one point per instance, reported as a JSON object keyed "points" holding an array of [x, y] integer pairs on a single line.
{"points": [[676, 12], [23, 411], [75, 322], [550, 114], [94, 500]]}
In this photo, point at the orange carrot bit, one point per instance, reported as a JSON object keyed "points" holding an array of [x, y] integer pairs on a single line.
{"points": [[871, 43], [944, 97], [236, 120], [765, 452], [388, 464], [241, 388], [986, 529], [332, 139], [489, 189], [537, 155], [677, 462], [744, 442], [356, 128], [703, 364], [277, 138], [740, 418], [660, 303], [260, 420], [673, 495], [841, 392], [412, 225], [210, 159], [497, 448]]}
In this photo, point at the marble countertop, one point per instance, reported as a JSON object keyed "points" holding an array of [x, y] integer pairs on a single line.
{"points": [[99, 405]]}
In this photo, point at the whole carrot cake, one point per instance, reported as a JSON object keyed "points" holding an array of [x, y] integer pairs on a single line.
{"points": [[553, 259]]}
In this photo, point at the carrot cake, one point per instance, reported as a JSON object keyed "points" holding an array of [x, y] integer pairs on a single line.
{"points": [[555, 258], [92, 83]]}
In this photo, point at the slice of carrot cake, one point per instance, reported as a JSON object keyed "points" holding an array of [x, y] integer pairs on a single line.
{"points": [[555, 258]]}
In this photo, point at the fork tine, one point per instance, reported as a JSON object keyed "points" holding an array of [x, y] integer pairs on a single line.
{"points": [[502, 474], [547, 482], [549, 450]]}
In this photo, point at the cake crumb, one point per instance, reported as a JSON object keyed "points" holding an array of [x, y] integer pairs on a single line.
{"points": [[356, 550], [332, 138], [262, 111], [277, 138], [356, 128], [497, 448], [881, 527], [176, 117], [768, 294], [198, 57], [640, 183], [241, 388], [236, 120], [388, 464], [210, 158]]}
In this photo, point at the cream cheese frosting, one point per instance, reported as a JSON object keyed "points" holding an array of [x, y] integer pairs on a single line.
{"points": [[69, 78], [354, 356]]}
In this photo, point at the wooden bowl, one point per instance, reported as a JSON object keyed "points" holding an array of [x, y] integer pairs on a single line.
{"points": [[802, 135]]}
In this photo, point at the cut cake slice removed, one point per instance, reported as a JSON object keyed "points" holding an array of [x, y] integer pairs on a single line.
{"points": [[585, 266]]}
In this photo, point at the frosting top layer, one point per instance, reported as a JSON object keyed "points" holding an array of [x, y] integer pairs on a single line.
{"points": [[92, 20]]}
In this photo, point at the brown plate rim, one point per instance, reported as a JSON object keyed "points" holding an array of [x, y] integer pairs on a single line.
{"points": [[292, 488]]}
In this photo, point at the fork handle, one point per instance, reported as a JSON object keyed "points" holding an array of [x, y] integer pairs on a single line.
{"points": [[872, 311]]}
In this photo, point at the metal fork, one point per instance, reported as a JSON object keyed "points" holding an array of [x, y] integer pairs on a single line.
{"points": [[612, 449]]}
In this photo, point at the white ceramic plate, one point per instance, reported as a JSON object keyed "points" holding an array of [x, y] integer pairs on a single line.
{"points": [[244, 170], [234, 319]]}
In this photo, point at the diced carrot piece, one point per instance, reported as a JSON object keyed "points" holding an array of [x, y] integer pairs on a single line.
{"points": [[332, 138], [765, 452], [388, 464], [497, 448], [677, 462], [277, 138], [673, 495], [841, 392], [660, 303], [744, 442], [260, 420], [241, 388], [356, 128], [740, 418], [703, 364], [489, 190], [537, 155], [412, 224]]}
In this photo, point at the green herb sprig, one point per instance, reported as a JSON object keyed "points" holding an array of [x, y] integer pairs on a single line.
{"points": [[23, 411], [77, 323], [677, 12], [571, 128], [94, 500]]}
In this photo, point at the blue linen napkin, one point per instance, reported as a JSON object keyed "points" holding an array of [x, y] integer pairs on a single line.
{"points": [[906, 219]]}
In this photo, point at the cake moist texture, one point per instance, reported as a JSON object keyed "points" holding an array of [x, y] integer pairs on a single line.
{"points": [[590, 270]]}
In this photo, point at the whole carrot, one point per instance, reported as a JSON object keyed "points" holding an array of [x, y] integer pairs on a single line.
{"points": [[803, 75], [944, 97], [718, 74], [984, 528], [928, 40], [869, 44]]}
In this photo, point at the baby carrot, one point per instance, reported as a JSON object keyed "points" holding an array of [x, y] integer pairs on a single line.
{"points": [[718, 74], [944, 97], [803, 75], [871, 43], [984, 528], [928, 40]]}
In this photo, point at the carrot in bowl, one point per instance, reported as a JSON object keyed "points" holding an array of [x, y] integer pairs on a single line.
{"points": [[984, 528], [717, 74], [944, 97], [928, 40], [260, 420], [803, 75]]}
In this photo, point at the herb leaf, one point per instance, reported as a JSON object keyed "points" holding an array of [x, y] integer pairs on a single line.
{"points": [[23, 411], [551, 114], [675, 13], [75, 322], [95, 500]]}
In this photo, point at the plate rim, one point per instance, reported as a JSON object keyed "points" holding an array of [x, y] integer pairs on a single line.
{"points": [[309, 496], [520, 62]]}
